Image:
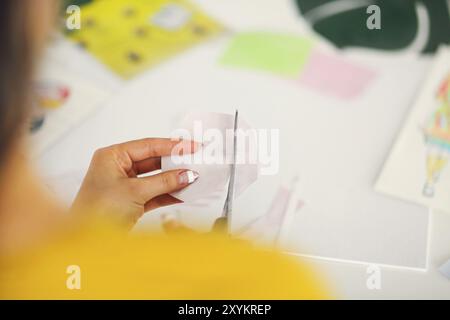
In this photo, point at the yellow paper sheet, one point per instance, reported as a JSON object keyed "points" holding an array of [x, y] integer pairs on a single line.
{"points": [[133, 35]]}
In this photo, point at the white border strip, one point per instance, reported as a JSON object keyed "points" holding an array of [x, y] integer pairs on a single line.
{"points": [[354, 262]]}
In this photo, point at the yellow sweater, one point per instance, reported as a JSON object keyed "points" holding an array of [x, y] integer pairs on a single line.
{"points": [[101, 262]]}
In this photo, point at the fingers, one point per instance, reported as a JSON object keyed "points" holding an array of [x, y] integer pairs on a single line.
{"points": [[162, 183], [141, 156], [172, 226], [161, 201], [142, 149], [147, 165]]}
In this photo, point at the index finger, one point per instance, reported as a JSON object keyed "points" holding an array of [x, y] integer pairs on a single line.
{"points": [[146, 148]]}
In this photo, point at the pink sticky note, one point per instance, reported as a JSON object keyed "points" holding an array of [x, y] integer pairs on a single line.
{"points": [[335, 75]]}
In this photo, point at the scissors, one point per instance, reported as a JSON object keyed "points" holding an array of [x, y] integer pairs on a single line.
{"points": [[222, 224]]}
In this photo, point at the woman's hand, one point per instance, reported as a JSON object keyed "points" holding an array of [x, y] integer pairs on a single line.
{"points": [[112, 184]]}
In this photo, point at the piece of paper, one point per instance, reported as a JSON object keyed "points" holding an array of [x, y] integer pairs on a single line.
{"points": [[62, 100], [417, 168], [445, 269], [270, 228], [213, 169], [130, 36], [281, 54], [333, 75]]}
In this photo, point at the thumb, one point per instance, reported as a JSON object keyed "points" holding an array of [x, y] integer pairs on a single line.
{"points": [[165, 182]]}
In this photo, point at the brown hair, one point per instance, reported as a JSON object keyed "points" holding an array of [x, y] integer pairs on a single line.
{"points": [[17, 51]]}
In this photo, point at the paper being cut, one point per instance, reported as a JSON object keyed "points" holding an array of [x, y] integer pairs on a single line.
{"points": [[212, 160]]}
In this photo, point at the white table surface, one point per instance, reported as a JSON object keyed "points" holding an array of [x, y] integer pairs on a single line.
{"points": [[66, 161]]}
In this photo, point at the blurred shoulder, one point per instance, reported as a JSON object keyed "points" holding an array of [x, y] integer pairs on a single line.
{"points": [[102, 262]]}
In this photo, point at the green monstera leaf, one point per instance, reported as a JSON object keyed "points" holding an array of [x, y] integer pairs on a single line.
{"points": [[419, 25]]}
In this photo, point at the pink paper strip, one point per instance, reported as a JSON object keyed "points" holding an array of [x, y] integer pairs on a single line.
{"points": [[335, 75]]}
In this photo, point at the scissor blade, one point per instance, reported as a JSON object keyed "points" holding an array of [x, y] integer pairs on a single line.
{"points": [[228, 206]]}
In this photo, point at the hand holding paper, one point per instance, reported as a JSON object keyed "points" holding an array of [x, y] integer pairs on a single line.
{"points": [[114, 183]]}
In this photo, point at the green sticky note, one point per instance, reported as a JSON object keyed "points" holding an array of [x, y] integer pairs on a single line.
{"points": [[283, 54]]}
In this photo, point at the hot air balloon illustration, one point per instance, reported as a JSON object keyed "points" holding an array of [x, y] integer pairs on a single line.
{"points": [[437, 139]]}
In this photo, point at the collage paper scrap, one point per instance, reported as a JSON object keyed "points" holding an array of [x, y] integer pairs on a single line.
{"points": [[131, 36], [62, 100], [297, 58], [49, 95]]}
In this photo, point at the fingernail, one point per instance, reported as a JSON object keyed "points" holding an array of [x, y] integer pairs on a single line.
{"points": [[187, 177]]}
